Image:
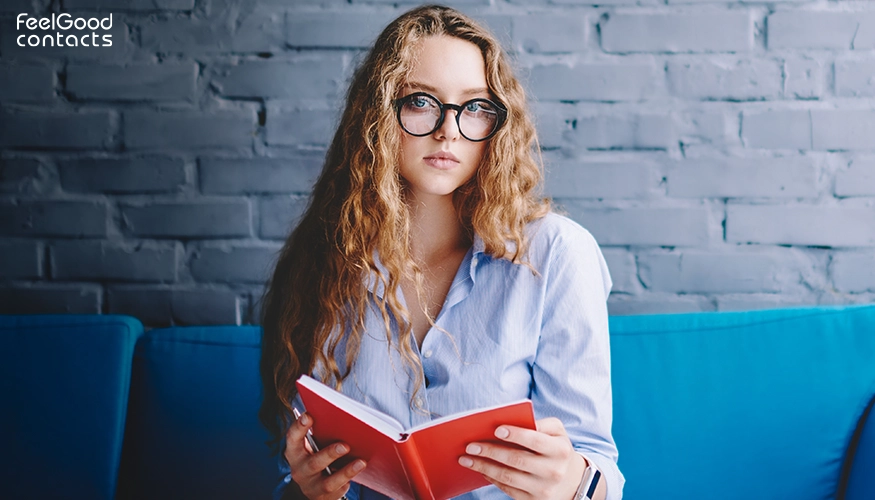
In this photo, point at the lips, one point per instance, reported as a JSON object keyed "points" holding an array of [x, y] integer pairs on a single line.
{"points": [[442, 160]]}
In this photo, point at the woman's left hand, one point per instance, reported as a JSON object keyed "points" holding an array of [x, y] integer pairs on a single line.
{"points": [[547, 467]]}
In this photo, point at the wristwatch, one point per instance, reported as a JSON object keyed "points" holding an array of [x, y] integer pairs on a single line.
{"points": [[588, 484]]}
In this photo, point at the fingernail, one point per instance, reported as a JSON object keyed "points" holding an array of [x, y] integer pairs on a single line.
{"points": [[305, 419], [501, 433], [340, 448], [473, 449], [359, 465], [465, 462]]}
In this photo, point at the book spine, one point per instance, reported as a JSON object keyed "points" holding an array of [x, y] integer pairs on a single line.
{"points": [[414, 470]]}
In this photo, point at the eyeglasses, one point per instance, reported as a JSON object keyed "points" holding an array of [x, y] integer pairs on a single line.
{"points": [[421, 114]]}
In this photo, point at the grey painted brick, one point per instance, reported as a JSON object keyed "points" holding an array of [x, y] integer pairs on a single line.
{"points": [[804, 78], [255, 31], [553, 121], [853, 271], [500, 25], [619, 305], [626, 132], [858, 180], [54, 130], [16, 6], [187, 130], [110, 261], [132, 82], [820, 29], [307, 79], [814, 225], [335, 29], [596, 2], [161, 306], [754, 301], [727, 31], [26, 176], [855, 78], [777, 129], [551, 33], [20, 259], [700, 272], [279, 215], [682, 2], [53, 218], [124, 175], [843, 129], [50, 299], [575, 179], [644, 226], [718, 79], [300, 126], [26, 83], [194, 219], [121, 47], [595, 82], [737, 178], [704, 127], [259, 175], [623, 270], [234, 264], [134, 5]]}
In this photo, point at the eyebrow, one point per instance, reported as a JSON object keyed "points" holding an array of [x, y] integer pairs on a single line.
{"points": [[429, 88]]}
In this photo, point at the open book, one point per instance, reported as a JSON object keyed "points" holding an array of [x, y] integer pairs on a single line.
{"points": [[421, 463]]}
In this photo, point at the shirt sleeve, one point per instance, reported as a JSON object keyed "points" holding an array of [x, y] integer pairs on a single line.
{"points": [[572, 372]]}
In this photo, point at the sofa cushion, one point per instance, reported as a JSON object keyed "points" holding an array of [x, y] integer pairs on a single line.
{"points": [[758, 404], [64, 390], [860, 483], [193, 429]]}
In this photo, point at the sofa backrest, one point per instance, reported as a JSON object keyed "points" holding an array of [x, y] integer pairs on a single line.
{"points": [[758, 404], [192, 429], [64, 383]]}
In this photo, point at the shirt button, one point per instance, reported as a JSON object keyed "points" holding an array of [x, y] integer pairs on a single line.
{"points": [[427, 353], [418, 402]]}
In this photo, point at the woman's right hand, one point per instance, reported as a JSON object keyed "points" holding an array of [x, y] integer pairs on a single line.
{"points": [[308, 468]]}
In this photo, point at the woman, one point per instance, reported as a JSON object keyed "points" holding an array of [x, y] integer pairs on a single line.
{"points": [[427, 278]]}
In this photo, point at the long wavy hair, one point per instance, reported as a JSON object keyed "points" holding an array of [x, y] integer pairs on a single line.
{"points": [[318, 294]]}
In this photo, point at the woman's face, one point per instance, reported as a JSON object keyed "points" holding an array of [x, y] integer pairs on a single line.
{"points": [[452, 70]]}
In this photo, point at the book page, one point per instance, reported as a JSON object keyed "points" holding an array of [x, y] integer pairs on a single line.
{"points": [[456, 416], [376, 419]]}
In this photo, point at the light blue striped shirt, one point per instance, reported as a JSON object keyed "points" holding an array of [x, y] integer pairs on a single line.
{"points": [[512, 335]]}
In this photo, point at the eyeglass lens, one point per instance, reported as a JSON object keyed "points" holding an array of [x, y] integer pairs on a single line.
{"points": [[420, 115]]}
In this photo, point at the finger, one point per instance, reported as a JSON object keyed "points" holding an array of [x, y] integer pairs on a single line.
{"points": [[319, 461], [522, 460], [342, 477], [508, 490], [538, 442], [552, 426], [296, 447], [499, 473]]}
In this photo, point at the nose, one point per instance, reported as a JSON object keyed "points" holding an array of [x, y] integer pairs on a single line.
{"points": [[449, 129]]}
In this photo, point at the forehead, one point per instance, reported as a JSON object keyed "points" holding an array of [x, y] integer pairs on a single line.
{"points": [[449, 65]]}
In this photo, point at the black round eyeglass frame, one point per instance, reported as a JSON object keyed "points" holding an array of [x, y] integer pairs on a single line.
{"points": [[500, 111]]}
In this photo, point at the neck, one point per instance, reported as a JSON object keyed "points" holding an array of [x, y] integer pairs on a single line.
{"points": [[435, 228]]}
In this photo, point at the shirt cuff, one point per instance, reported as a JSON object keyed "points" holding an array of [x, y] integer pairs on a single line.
{"points": [[610, 472]]}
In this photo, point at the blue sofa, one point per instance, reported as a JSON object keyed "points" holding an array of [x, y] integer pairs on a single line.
{"points": [[772, 404]]}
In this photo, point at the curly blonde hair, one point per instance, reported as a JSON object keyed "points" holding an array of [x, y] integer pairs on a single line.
{"points": [[318, 294]]}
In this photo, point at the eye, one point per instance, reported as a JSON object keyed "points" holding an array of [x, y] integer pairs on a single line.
{"points": [[474, 106], [420, 101]]}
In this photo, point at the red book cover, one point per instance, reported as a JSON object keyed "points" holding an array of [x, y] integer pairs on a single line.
{"points": [[421, 463]]}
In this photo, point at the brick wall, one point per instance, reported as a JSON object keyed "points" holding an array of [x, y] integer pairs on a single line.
{"points": [[722, 152]]}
